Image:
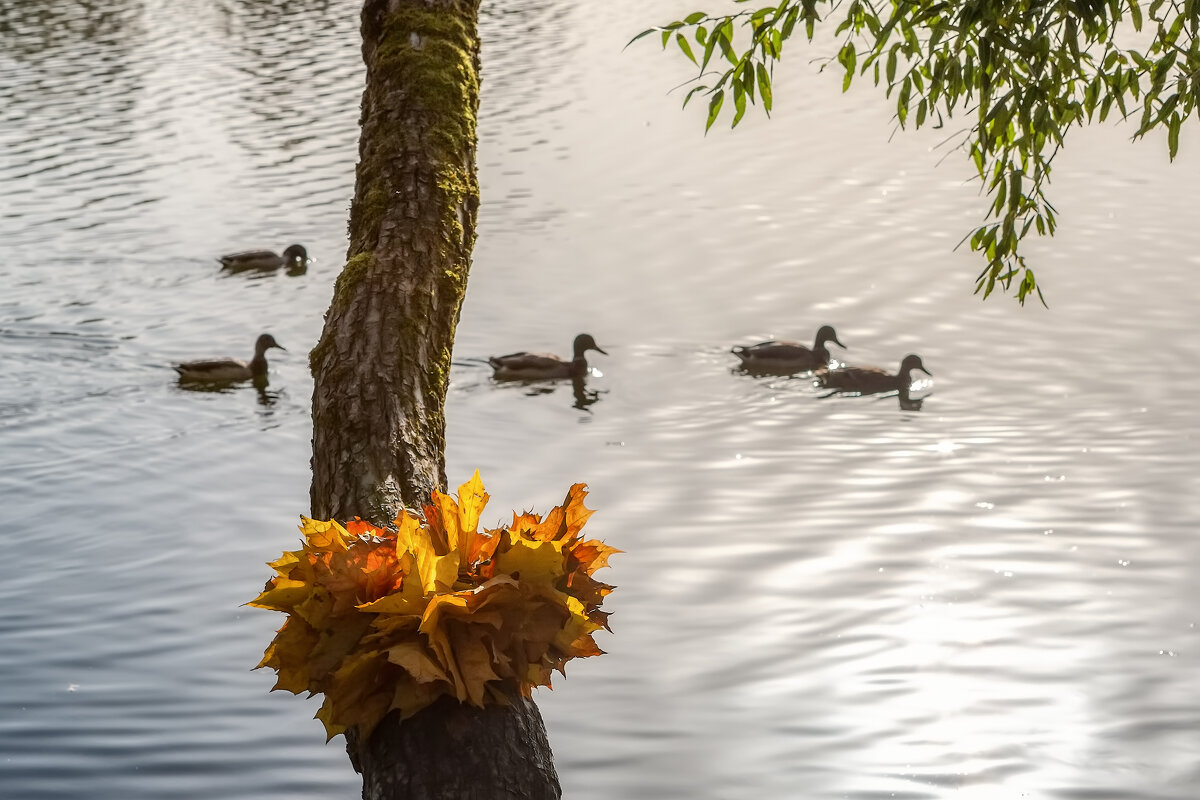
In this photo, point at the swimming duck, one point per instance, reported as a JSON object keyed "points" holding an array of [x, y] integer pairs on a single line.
{"points": [[788, 356], [537, 366], [228, 370], [294, 258], [872, 380]]}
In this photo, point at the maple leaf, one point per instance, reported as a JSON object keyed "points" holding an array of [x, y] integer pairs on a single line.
{"points": [[383, 619]]}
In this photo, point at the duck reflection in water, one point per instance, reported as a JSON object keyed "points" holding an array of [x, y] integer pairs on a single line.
{"points": [[875, 380], [582, 396], [266, 397]]}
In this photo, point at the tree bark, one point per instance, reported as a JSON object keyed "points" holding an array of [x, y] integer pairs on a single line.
{"points": [[383, 361], [451, 750], [382, 365]]}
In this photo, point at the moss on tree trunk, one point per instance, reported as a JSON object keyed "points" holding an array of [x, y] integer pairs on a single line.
{"points": [[382, 366], [383, 361]]}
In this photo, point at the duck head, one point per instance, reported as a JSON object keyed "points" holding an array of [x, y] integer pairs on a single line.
{"points": [[295, 255], [912, 362], [265, 342], [585, 342], [827, 334]]}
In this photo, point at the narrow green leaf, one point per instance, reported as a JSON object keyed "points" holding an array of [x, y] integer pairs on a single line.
{"points": [[789, 23], [725, 42], [709, 48], [642, 35], [686, 47], [847, 57], [764, 86], [714, 108], [748, 79], [692, 93], [739, 103]]}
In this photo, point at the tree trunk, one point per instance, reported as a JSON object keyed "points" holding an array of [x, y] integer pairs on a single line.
{"points": [[382, 365], [459, 752]]}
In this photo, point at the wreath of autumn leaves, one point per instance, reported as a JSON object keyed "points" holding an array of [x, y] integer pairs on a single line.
{"points": [[382, 619]]}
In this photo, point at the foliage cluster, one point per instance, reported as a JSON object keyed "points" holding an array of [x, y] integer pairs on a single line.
{"points": [[382, 619], [1022, 71]]}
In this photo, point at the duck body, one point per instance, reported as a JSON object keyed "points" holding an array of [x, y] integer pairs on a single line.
{"points": [[872, 380], [229, 370], [543, 366], [786, 356], [295, 257]]}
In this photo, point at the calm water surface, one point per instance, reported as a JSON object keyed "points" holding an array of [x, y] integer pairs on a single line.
{"points": [[994, 597]]}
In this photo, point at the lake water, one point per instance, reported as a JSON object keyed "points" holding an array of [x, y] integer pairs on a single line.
{"points": [[993, 597]]}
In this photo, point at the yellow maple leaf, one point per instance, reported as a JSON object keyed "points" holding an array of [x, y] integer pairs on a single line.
{"points": [[322, 536], [473, 660], [282, 594], [417, 662], [536, 562], [436, 566], [472, 498]]}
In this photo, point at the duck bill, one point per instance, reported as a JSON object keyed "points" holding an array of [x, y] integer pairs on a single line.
{"points": [[600, 350]]}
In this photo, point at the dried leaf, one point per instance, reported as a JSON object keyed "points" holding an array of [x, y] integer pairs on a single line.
{"points": [[383, 620]]}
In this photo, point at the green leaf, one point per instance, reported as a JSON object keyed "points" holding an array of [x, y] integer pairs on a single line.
{"points": [[789, 22], [642, 35], [714, 108], [687, 99], [686, 47], [709, 47], [739, 103], [764, 86], [847, 57], [724, 40]]}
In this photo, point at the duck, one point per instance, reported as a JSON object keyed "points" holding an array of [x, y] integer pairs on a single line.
{"points": [[228, 370], [295, 258], [788, 356], [540, 366], [872, 380]]}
